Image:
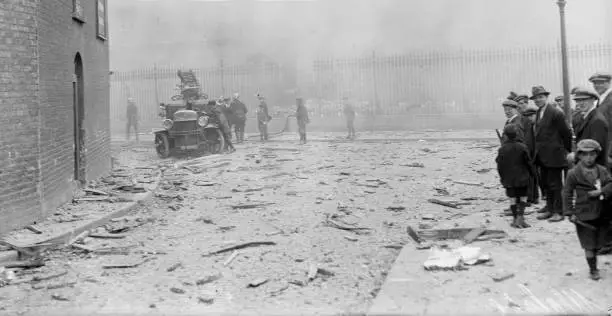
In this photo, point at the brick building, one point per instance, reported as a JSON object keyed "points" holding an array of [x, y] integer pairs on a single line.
{"points": [[54, 97]]}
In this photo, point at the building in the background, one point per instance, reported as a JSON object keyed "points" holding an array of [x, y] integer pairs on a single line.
{"points": [[54, 69]]}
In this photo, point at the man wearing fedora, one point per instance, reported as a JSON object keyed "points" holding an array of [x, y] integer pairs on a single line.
{"points": [[553, 141]]}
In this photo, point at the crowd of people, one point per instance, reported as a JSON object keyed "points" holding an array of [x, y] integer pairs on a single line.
{"points": [[565, 160]]}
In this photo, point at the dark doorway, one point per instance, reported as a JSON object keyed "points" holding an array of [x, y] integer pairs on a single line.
{"points": [[79, 114]]}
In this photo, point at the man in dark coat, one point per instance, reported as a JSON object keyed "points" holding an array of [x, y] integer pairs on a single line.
{"points": [[593, 124], [511, 110], [601, 84], [529, 115], [239, 112], [132, 118], [553, 141]]}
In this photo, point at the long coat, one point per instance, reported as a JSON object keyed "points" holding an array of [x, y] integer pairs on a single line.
{"points": [[605, 108], [553, 138], [584, 207], [594, 127], [514, 164]]}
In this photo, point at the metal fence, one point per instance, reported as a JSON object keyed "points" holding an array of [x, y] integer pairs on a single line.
{"points": [[429, 84]]}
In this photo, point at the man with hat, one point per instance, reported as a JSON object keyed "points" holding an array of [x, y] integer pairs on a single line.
{"points": [[239, 117], [559, 102], [592, 124], [529, 115], [601, 84], [521, 99], [301, 115], [511, 110], [553, 140], [132, 118], [349, 114]]}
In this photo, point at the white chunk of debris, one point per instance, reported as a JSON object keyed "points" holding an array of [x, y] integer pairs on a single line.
{"points": [[441, 259]]}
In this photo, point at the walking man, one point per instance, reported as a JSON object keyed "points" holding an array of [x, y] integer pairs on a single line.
{"points": [[553, 140], [132, 118], [263, 117], [301, 114], [239, 112], [349, 114]]}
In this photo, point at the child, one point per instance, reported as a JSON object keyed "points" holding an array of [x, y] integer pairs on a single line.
{"points": [[262, 119], [515, 171], [590, 183], [301, 115]]}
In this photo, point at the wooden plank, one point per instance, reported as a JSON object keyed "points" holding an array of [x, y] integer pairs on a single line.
{"points": [[473, 234]]}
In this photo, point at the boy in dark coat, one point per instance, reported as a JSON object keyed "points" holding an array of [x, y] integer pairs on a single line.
{"points": [[591, 184], [515, 170]]}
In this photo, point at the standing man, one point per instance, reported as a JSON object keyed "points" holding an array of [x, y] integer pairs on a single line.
{"points": [[511, 110], [592, 125], [132, 118], [239, 112], [553, 141], [533, 196], [559, 102], [227, 112], [301, 114], [349, 114], [601, 84], [263, 117]]}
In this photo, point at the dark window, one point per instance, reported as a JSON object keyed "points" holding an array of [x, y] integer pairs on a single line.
{"points": [[101, 16], [77, 11]]}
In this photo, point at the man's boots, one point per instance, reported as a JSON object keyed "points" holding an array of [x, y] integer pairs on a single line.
{"points": [[514, 211], [593, 271]]}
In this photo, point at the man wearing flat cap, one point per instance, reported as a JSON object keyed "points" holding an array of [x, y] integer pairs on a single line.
{"points": [[593, 124], [553, 141], [529, 115], [513, 117]]}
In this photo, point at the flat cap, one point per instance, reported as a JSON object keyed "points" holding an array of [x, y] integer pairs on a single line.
{"points": [[600, 76], [587, 145], [585, 93], [559, 98], [510, 103], [521, 97], [530, 110]]}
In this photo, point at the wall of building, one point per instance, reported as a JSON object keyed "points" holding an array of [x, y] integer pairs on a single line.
{"points": [[19, 164], [60, 39]]}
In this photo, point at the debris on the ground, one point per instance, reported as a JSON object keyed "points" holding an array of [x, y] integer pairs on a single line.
{"points": [[205, 220], [59, 297], [6, 276], [396, 208], [177, 290], [124, 265], [414, 165], [331, 223], [202, 183], [460, 234], [107, 236], [312, 272], [206, 299], [444, 203], [240, 246], [54, 286], [442, 191], [478, 184], [90, 191], [484, 170], [174, 267], [33, 228], [454, 259], [278, 290], [224, 229], [249, 206], [350, 238], [231, 258], [131, 188], [209, 278], [428, 217], [473, 234], [502, 276], [258, 282], [29, 264], [49, 277]]}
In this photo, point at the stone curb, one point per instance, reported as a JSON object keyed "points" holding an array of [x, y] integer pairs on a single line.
{"points": [[66, 236]]}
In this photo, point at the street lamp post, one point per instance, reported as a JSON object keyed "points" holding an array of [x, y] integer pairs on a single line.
{"points": [[566, 89]]}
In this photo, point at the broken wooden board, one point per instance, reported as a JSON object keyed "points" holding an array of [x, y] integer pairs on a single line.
{"points": [[107, 236], [241, 246], [444, 203], [455, 233], [473, 234]]}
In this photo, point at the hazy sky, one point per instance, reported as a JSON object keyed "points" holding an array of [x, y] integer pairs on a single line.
{"points": [[160, 31]]}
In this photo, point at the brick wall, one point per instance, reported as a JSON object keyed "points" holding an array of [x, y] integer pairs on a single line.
{"points": [[19, 115], [60, 39], [38, 44]]}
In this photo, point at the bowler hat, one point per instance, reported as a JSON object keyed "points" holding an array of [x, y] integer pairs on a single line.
{"points": [[510, 103], [585, 93], [600, 76], [587, 145], [530, 110], [537, 91]]}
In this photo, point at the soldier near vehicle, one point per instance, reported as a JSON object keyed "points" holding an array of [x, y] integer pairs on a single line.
{"points": [[132, 118], [263, 117], [553, 140], [515, 168], [239, 116], [301, 115], [591, 184], [349, 114]]}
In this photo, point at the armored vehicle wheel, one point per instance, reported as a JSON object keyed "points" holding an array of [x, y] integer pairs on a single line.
{"points": [[216, 141], [162, 145]]}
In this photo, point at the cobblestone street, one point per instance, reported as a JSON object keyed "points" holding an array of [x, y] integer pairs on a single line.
{"points": [[326, 221]]}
